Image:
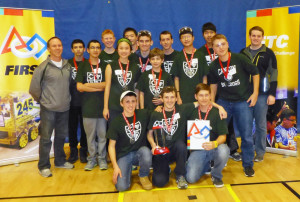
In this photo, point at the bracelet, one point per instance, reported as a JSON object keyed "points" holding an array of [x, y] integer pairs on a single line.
{"points": [[216, 144]]}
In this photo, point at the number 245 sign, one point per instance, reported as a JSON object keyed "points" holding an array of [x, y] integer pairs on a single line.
{"points": [[24, 107]]}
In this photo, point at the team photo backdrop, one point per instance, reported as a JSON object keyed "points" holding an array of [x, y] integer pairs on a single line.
{"points": [[23, 39]]}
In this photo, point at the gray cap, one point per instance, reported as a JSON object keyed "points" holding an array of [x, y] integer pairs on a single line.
{"points": [[128, 92]]}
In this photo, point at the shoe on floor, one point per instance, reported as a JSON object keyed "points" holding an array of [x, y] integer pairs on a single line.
{"points": [[66, 165], [146, 184], [249, 172], [102, 164], [73, 155], [83, 155], [217, 182], [181, 182], [45, 172], [236, 156], [90, 165], [258, 158]]}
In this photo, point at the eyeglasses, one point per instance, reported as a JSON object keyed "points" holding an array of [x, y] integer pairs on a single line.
{"points": [[144, 32], [185, 29], [292, 120], [93, 47]]}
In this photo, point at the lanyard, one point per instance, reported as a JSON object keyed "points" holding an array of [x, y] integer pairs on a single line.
{"points": [[211, 58], [143, 66], [154, 78], [208, 110], [228, 63], [169, 127], [186, 58], [95, 75], [128, 124], [124, 75], [75, 63]]}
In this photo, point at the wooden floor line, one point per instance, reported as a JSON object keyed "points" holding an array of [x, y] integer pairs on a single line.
{"points": [[59, 195], [232, 193], [255, 183], [157, 189], [291, 190]]}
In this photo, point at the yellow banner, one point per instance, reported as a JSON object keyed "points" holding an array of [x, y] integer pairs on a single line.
{"points": [[281, 26], [23, 45]]}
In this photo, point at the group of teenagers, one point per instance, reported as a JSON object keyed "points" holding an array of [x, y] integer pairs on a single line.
{"points": [[123, 94]]}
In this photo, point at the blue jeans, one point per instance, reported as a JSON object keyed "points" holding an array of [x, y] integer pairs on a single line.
{"points": [[141, 157], [51, 121], [199, 160], [242, 116], [260, 115]]}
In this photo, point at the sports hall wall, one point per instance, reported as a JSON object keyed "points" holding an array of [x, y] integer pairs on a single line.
{"points": [[87, 19]]}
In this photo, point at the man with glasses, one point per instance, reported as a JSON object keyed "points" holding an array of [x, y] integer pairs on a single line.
{"points": [[230, 75], [286, 133], [109, 54], [189, 68], [265, 60], [166, 41], [91, 82]]}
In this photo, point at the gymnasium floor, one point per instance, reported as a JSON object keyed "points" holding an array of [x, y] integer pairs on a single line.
{"points": [[277, 178]]}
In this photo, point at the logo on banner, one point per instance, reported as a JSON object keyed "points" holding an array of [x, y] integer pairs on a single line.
{"points": [[137, 131], [23, 46], [191, 71]]}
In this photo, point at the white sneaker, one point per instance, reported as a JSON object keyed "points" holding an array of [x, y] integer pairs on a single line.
{"points": [[45, 172], [66, 165]]}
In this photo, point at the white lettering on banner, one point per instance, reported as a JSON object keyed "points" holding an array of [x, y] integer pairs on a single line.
{"points": [[279, 41], [284, 53]]}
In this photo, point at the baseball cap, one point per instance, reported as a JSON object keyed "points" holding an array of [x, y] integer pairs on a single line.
{"points": [[127, 93]]}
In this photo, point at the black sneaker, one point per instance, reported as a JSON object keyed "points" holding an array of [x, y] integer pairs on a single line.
{"points": [[73, 155], [181, 182], [235, 156], [249, 172], [83, 155], [217, 182]]}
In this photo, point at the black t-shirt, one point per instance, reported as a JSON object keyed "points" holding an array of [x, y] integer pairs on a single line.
{"points": [[108, 58], [120, 132], [117, 82], [178, 128], [168, 61], [189, 77], [75, 94], [92, 102], [237, 86], [146, 85]]}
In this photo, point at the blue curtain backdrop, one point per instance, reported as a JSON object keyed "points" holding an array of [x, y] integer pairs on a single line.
{"points": [[86, 19]]}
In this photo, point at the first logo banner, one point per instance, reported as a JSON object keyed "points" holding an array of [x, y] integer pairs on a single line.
{"points": [[23, 45]]}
